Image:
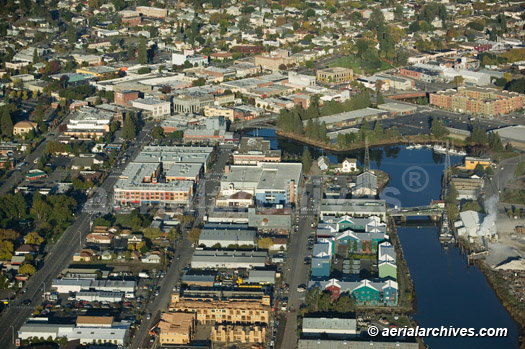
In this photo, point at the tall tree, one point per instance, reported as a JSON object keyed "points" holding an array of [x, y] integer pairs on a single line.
{"points": [[307, 161], [142, 51], [129, 129], [6, 123]]}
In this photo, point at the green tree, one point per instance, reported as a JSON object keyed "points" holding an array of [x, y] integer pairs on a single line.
{"points": [[380, 99], [71, 35], [479, 135], [437, 129], [129, 129], [495, 143], [6, 123], [307, 161], [27, 269], [157, 132], [6, 250], [471, 206], [345, 304], [142, 51], [194, 234], [33, 238]]}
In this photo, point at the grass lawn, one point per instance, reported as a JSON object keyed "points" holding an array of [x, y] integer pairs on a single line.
{"points": [[124, 220], [356, 65]]}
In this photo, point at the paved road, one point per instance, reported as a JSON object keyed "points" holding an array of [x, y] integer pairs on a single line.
{"points": [[161, 302], [296, 272], [59, 257]]}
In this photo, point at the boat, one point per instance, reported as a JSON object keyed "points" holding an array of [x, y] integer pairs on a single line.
{"points": [[418, 146], [439, 148], [410, 147]]}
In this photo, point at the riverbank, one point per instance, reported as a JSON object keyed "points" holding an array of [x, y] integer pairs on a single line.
{"points": [[419, 139]]}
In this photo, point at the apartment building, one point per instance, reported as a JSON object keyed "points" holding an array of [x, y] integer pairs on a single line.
{"points": [[478, 101], [238, 333], [177, 328], [335, 75], [211, 309]]}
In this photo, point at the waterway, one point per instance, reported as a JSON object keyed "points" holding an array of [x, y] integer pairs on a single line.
{"points": [[449, 293]]}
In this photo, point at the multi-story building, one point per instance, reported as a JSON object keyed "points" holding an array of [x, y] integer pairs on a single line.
{"points": [[335, 75], [420, 73], [251, 151], [213, 111], [140, 184], [274, 61], [192, 102], [228, 333], [125, 98], [157, 107], [153, 12], [177, 328], [478, 101], [212, 308], [272, 184], [89, 122], [23, 127]]}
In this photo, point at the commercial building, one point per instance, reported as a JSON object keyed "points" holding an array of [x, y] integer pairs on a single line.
{"points": [[272, 184], [472, 162], [351, 118], [420, 73], [125, 97], [354, 344], [227, 237], [332, 327], [335, 75], [214, 111], [478, 101], [169, 155], [251, 151], [467, 188], [192, 102], [77, 285], [396, 108], [140, 184], [208, 136], [88, 122], [212, 308], [184, 172], [23, 127], [274, 61], [153, 12], [97, 71], [352, 207], [156, 107], [228, 259], [177, 328], [515, 135], [301, 80]]}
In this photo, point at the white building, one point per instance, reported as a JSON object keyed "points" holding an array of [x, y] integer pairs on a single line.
{"points": [[227, 237], [301, 80], [470, 77], [156, 106], [348, 165], [179, 58]]}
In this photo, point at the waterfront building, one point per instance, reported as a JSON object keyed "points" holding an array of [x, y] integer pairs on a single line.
{"points": [[331, 327], [216, 259], [478, 101], [251, 151], [272, 184], [353, 207]]}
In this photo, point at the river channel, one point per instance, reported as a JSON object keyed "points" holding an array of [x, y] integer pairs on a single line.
{"points": [[449, 293]]}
